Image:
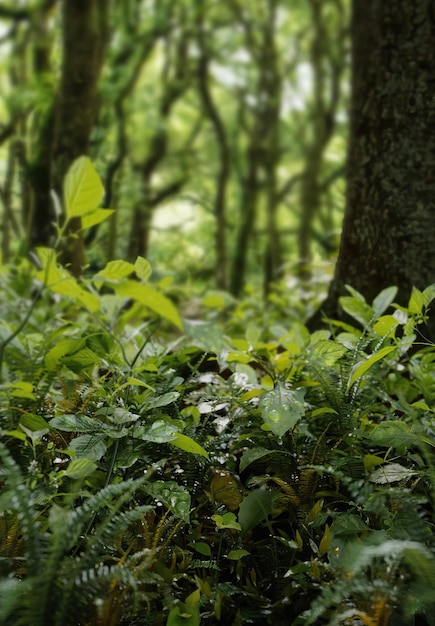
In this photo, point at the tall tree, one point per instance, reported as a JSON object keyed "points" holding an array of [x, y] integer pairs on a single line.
{"points": [[388, 233]]}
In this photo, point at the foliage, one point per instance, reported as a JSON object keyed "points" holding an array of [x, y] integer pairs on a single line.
{"points": [[237, 470]]}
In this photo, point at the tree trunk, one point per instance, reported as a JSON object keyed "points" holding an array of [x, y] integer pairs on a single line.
{"points": [[388, 233], [85, 34]]}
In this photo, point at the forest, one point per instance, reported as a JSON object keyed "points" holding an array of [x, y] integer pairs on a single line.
{"points": [[217, 348]]}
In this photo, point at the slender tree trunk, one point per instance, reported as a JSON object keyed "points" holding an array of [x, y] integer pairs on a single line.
{"points": [[388, 233], [224, 168], [248, 211], [85, 34]]}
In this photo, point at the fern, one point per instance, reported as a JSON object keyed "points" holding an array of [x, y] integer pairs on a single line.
{"points": [[69, 568]]}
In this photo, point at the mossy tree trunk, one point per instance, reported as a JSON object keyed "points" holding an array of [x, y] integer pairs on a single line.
{"points": [[388, 233]]}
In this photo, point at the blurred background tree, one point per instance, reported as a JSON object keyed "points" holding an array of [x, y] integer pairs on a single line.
{"points": [[219, 129]]}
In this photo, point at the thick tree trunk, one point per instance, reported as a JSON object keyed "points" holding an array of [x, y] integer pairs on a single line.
{"points": [[388, 233]]}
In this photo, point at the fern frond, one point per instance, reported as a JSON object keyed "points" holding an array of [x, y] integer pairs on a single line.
{"points": [[19, 498]]}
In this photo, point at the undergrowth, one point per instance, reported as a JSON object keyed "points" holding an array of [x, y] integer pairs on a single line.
{"points": [[235, 470]]}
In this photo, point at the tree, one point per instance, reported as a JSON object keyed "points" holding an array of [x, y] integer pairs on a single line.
{"points": [[388, 233]]}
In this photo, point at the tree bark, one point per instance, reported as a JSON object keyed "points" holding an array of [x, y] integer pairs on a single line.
{"points": [[388, 233]]}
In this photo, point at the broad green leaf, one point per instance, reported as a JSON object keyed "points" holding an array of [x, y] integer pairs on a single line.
{"points": [[173, 496], [356, 306], [34, 422], [429, 294], [34, 435], [163, 400], [80, 468], [371, 461], [385, 325], [362, 367], [83, 189], [142, 268], [80, 360], [188, 444], [17, 434], [154, 300], [118, 415], [252, 454], [348, 524], [282, 408], [236, 555], [391, 473], [75, 423], [416, 302], [96, 217], [327, 352], [201, 547], [58, 280], [255, 508], [159, 432], [46, 256], [90, 447], [115, 270], [393, 434], [62, 348], [383, 300], [21, 389]]}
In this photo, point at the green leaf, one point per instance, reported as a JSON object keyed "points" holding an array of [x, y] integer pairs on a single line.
{"points": [[21, 389], [80, 468], [90, 447], [75, 423], [143, 268], [236, 555], [96, 217], [174, 497], [154, 300], [159, 432], [255, 508], [188, 444], [228, 520], [80, 360], [187, 613], [348, 524], [356, 306], [383, 300], [201, 547], [327, 352], [118, 415], [34, 422], [282, 408], [115, 270], [62, 348], [416, 302], [363, 366], [325, 542], [83, 189], [163, 400], [385, 326], [393, 434], [60, 281], [252, 454]]}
